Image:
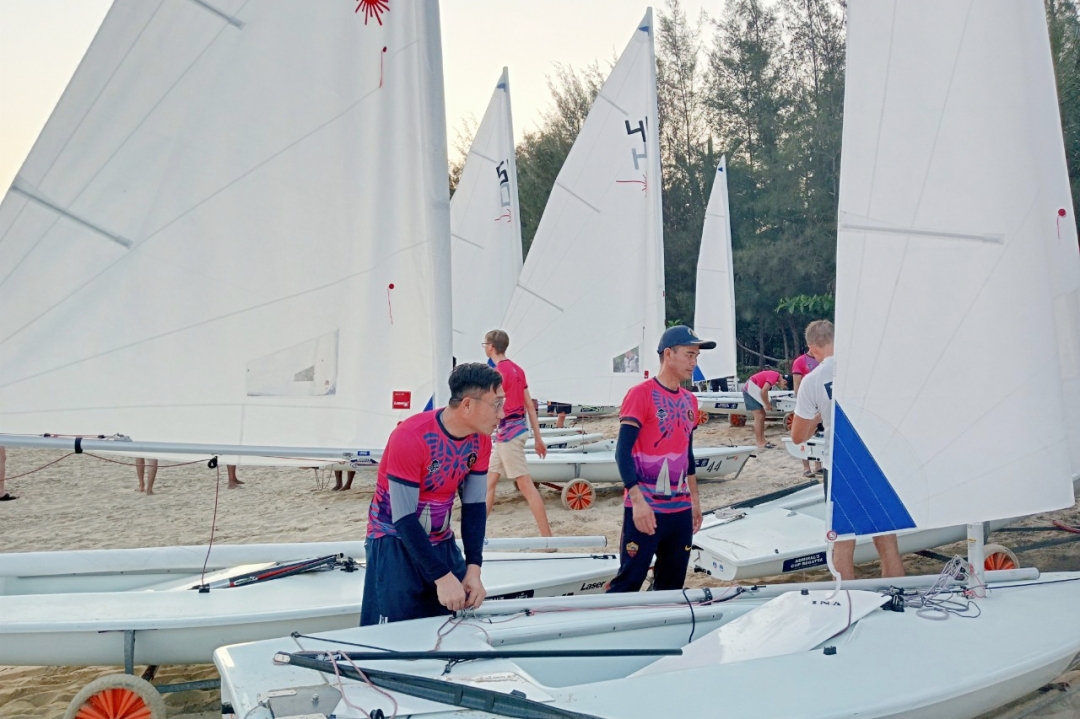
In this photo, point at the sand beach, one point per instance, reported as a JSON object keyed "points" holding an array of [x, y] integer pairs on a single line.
{"points": [[81, 502]]}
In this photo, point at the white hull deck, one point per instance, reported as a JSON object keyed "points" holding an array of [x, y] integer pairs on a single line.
{"points": [[599, 466], [787, 535], [69, 618], [888, 665], [729, 403]]}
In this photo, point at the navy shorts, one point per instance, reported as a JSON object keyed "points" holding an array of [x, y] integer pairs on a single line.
{"points": [[393, 588], [558, 408], [670, 545]]}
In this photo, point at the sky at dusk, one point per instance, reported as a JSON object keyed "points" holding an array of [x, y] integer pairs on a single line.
{"points": [[42, 41]]}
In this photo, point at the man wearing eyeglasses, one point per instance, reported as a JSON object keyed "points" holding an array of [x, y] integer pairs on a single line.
{"points": [[508, 453], [414, 566]]}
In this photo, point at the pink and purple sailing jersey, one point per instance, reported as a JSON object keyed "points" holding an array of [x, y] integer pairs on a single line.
{"points": [[804, 364], [667, 419], [420, 453], [514, 422], [769, 375]]}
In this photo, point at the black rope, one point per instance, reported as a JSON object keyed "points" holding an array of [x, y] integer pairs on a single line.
{"points": [[298, 635], [693, 617]]}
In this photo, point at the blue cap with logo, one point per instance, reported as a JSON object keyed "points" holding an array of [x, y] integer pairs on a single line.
{"points": [[680, 335]]}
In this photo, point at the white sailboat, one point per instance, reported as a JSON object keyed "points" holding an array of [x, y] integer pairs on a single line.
{"points": [[142, 606], [714, 294], [714, 307], [941, 264], [485, 229], [598, 252], [231, 236], [935, 93], [191, 253]]}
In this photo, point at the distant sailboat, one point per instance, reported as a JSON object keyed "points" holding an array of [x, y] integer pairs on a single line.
{"points": [[588, 311], [233, 230], [485, 229], [714, 296]]}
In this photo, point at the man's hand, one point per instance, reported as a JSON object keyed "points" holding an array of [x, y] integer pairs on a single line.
{"points": [[538, 446], [696, 513], [474, 588], [451, 592], [644, 518]]}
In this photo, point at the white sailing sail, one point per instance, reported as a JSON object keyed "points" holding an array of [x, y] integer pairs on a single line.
{"points": [[957, 300], [714, 296], [234, 228], [485, 229], [588, 311]]}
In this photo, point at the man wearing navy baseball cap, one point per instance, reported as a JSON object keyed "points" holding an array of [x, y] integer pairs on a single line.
{"points": [[655, 454]]}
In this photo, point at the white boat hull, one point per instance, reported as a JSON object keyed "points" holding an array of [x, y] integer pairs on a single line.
{"points": [[729, 403], [599, 466], [889, 665], [175, 624], [788, 535]]}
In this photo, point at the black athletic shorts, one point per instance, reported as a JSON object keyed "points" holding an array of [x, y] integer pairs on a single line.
{"points": [[558, 408]]}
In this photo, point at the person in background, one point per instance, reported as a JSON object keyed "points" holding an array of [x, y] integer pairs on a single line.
{"points": [[814, 405], [560, 410], [233, 481], [337, 481], [414, 566], [148, 467], [803, 365], [655, 455], [4, 496], [519, 413], [756, 396]]}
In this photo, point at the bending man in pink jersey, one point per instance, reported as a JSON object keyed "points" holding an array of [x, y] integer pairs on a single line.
{"points": [[756, 397], [655, 454]]}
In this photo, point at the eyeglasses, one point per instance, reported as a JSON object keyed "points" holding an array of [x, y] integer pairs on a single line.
{"points": [[496, 405], [484, 344]]}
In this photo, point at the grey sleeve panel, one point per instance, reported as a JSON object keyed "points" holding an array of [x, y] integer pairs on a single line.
{"points": [[404, 498], [474, 489]]}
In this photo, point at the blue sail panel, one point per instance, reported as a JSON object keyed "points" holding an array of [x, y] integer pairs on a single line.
{"points": [[698, 377], [864, 502]]}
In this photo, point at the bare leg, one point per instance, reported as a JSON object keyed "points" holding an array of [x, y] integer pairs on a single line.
{"points": [[759, 428], [891, 564], [349, 479], [233, 481], [844, 558], [151, 475], [337, 480], [492, 480], [536, 503], [140, 468], [561, 420], [806, 467], [817, 467]]}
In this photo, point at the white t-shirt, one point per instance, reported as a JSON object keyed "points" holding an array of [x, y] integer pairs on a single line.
{"points": [[815, 398]]}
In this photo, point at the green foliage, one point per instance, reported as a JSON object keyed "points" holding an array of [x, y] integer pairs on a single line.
{"points": [[815, 306], [1063, 20]]}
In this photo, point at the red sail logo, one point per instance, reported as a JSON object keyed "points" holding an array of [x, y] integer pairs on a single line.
{"points": [[373, 9]]}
